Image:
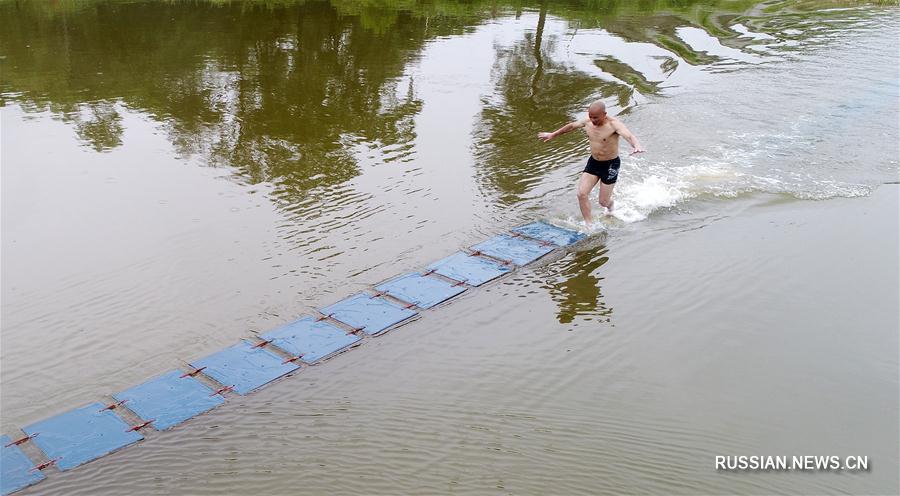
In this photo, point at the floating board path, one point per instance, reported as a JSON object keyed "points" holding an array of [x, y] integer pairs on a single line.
{"points": [[89, 432]]}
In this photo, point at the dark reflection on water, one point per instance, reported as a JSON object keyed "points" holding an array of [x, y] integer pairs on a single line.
{"points": [[276, 93], [281, 90], [574, 284]]}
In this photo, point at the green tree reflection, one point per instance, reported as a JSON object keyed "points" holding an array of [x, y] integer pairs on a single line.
{"points": [[281, 90], [276, 90]]}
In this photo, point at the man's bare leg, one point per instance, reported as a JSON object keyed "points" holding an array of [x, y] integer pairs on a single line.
{"points": [[585, 185], [605, 197]]}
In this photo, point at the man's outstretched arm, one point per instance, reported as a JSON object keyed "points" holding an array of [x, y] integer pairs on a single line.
{"points": [[563, 130], [629, 137]]}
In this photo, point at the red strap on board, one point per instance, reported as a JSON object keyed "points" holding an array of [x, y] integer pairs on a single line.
{"points": [[45, 464], [113, 406], [222, 390], [21, 440], [192, 374], [140, 426]]}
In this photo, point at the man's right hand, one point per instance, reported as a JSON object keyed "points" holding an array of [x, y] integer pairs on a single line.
{"points": [[545, 136]]}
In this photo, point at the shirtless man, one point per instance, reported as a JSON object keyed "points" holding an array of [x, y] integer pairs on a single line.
{"points": [[603, 134]]}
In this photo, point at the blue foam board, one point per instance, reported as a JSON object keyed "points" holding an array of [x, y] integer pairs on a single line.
{"points": [[313, 340], [468, 269], [424, 291], [169, 399], [548, 232], [16, 469], [244, 367], [371, 313], [81, 435], [516, 250]]}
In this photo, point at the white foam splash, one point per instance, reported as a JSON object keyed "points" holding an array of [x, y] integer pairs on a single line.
{"points": [[662, 185], [637, 200], [721, 172], [728, 173]]}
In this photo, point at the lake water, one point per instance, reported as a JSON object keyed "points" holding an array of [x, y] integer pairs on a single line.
{"points": [[177, 175]]}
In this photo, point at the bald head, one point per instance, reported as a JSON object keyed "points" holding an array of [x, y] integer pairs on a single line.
{"points": [[597, 113], [597, 106]]}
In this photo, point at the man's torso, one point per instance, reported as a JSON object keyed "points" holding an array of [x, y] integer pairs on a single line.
{"points": [[604, 140]]}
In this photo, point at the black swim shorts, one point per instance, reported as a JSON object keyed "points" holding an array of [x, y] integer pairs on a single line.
{"points": [[606, 170]]}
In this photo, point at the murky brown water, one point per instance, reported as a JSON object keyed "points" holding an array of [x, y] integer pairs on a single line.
{"points": [[177, 175]]}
